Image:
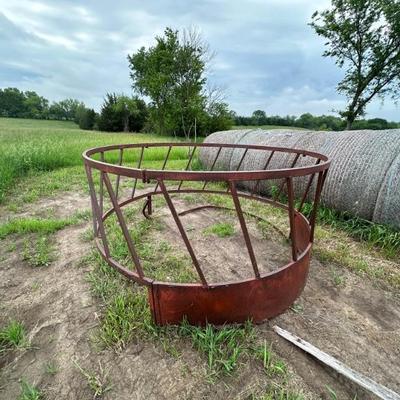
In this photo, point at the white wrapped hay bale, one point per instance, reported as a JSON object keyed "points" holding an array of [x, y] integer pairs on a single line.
{"points": [[208, 155], [364, 177], [257, 159], [360, 162], [387, 207]]}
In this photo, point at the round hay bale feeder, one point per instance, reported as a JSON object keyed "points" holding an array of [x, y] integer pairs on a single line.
{"points": [[260, 297]]}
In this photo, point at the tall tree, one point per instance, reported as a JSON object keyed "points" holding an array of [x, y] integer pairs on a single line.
{"points": [[171, 73], [12, 102], [68, 109], [259, 117], [122, 113], [36, 106], [87, 118], [127, 108], [364, 37]]}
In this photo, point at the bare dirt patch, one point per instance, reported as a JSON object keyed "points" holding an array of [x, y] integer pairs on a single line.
{"points": [[224, 258], [345, 315]]}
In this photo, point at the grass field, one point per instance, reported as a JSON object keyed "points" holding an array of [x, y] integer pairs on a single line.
{"points": [[31, 146], [34, 146]]}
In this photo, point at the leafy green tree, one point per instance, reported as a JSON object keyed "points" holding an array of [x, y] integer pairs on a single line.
{"points": [[79, 112], [216, 118], [171, 74], [138, 121], [87, 119], [35, 106], [12, 102], [126, 108], [70, 107], [364, 37], [56, 111], [259, 117], [306, 121], [109, 120], [121, 113], [67, 109]]}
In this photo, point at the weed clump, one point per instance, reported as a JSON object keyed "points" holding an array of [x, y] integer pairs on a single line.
{"points": [[13, 336], [221, 229], [30, 392]]}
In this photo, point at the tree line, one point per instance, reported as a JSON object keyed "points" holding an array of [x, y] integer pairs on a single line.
{"points": [[18, 104], [118, 112], [313, 122], [121, 113]]}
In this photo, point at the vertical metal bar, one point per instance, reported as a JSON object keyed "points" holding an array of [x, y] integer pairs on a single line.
{"points": [[240, 163], [320, 182], [283, 183], [244, 228], [310, 181], [118, 176], [289, 182], [163, 167], [188, 164], [94, 218], [213, 165], [182, 231], [138, 166], [97, 215], [265, 167], [122, 224], [101, 195], [241, 160]]}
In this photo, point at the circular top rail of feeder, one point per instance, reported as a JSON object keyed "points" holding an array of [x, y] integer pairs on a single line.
{"points": [[202, 175], [265, 295]]}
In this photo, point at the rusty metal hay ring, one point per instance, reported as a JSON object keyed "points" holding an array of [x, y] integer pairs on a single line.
{"points": [[262, 297]]}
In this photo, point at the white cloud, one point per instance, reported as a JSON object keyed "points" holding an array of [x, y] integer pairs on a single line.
{"points": [[267, 55]]}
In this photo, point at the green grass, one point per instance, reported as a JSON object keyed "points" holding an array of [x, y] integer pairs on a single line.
{"points": [[30, 146], [13, 336], [159, 259], [277, 392], [51, 368], [272, 365], [28, 124], [220, 229], [127, 317], [381, 236], [34, 225], [127, 314], [126, 311], [222, 346], [38, 252], [337, 278], [30, 392]]}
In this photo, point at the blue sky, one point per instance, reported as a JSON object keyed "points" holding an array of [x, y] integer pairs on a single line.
{"points": [[267, 57]]}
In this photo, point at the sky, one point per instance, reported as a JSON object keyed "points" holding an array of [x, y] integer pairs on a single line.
{"points": [[266, 56]]}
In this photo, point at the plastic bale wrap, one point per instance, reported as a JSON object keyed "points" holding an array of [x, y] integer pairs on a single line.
{"points": [[207, 155], [364, 178], [387, 208], [256, 159]]}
